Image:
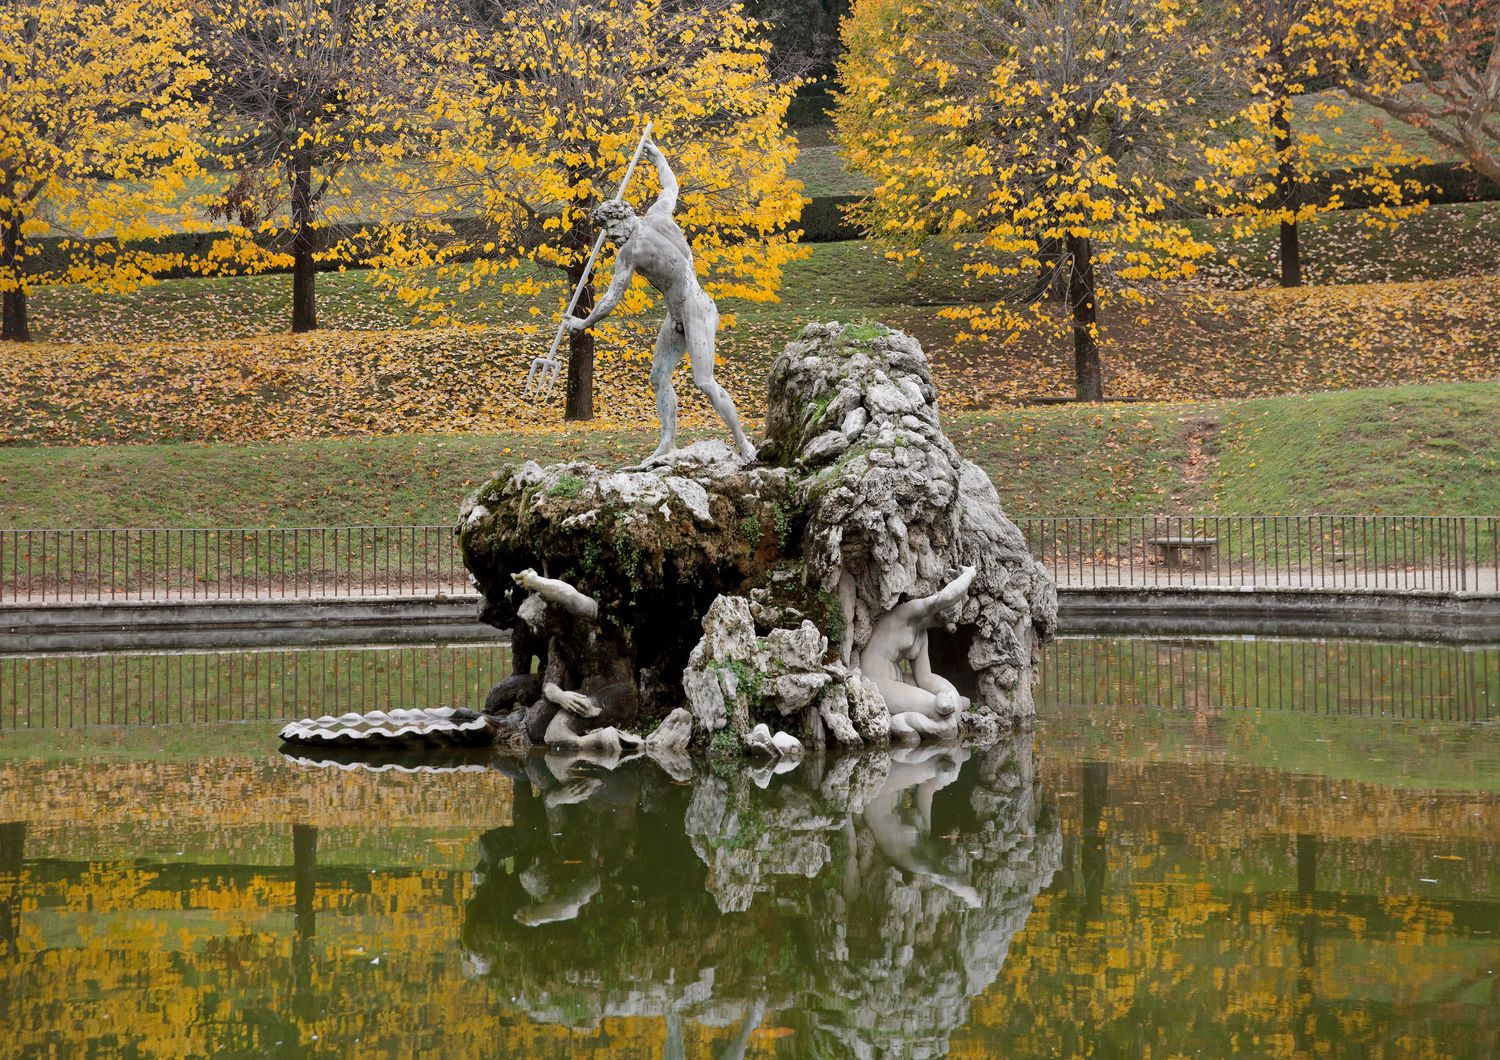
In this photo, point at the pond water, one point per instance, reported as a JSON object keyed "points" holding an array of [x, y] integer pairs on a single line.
{"points": [[1132, 879]]}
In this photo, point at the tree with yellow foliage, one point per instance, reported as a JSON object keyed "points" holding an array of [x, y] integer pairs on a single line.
{"points": [[1435, 65], [1042, 140], [1263, 158], [316, 103], [563, 89], [97, 125]]}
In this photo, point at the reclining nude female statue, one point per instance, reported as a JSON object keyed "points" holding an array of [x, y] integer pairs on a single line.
{"points": [[929, 707], [654, 246], [579, 658]]}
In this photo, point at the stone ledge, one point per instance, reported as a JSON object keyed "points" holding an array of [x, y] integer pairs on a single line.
{"points": [[1425, 614], [1464, 617], [246, 623]]}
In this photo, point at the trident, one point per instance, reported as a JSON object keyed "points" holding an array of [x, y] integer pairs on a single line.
{"points": [[544, 370]]}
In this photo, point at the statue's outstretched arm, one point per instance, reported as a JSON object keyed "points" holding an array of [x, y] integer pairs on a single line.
{"points": [[575, 703], [944, 598], [666, 202], [559, 593], [618, 284]]}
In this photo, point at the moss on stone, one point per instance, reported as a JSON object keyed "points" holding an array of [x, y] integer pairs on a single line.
{"points": [[782, 515], [725, 744], [864, 331], [834, 619]]}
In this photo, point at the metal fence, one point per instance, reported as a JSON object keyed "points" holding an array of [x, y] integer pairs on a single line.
{"points": [[126, 564], [1447, 553], [1439, 553]]}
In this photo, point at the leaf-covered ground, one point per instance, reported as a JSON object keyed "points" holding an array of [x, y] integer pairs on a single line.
{"points": [[330, 384], [1414, 450], [209, 360]]}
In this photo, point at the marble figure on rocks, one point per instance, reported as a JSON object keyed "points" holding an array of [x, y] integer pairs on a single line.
{"points": [[856, 585], [654, 246]]}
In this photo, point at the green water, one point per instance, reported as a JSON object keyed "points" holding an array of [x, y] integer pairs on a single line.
{"points": [[1178, 891], [1169, 866]]}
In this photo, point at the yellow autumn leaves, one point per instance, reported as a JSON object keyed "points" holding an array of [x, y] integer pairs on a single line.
{"points": [[323, 384], [432, 142], [560, 94], [97, 116], [1062, 144]]}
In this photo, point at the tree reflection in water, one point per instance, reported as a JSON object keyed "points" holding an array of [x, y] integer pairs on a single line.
{"points": [[1281, 885], [864, 900]]}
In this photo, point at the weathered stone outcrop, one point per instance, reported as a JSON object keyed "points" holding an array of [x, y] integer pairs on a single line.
{"points": [[893, 510], [749, 594], [653, 548]]}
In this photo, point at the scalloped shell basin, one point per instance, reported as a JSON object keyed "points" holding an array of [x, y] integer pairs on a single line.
{"points": [[437, 726]]}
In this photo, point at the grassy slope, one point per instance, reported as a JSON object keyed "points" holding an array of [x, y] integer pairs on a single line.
{"points": [[1403, 450], [1411, 450]]}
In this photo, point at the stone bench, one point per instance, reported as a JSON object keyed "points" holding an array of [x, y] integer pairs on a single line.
{"points": [[1199, 551]]}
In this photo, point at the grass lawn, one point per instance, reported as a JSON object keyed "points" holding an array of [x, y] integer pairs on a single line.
{"points": [[1411, 450], [1408, 450]]}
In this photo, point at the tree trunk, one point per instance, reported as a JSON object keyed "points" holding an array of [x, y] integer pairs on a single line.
{"points": [[13, 326], [580, 397], [1088, 382], [1288, 193], [304, 243]]}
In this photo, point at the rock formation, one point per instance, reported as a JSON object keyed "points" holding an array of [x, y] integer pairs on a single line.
{"points": [[860, 559], [893, 512]]}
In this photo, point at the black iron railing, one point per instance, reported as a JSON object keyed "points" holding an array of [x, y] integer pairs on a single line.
{"points": [[146, 564], [158, 688], [130, 564], [1447, 553]]}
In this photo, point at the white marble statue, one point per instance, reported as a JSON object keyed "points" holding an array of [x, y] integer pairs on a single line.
{"points": [[654, 246], [926, 707]]}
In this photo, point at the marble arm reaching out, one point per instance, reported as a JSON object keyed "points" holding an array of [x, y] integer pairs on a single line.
{"points": [[666, 202], [559, 593], [925, 610], [625, 259], [575, 703], [619, 283]]}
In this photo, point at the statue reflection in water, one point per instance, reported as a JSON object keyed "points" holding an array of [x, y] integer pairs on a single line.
{"points": [[857, 902], [902, 827]]}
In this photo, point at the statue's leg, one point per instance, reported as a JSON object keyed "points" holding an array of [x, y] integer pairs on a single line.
{"points": [[902, 698], [615, 738], [912, 726], [670, 346], [562, 731], [902, 731], [701, 318]]}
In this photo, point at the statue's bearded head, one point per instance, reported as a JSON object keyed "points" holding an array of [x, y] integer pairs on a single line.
{"points": [[617, 219]]}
